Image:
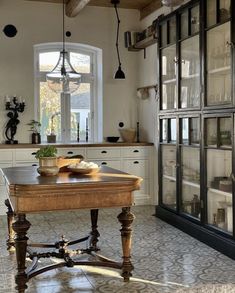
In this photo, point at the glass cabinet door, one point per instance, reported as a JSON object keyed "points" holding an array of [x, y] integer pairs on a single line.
{"points": [[168, 72], [190, 73], [219, 65], [218, 132], [219, 189], [190, 181], [168, 183]]}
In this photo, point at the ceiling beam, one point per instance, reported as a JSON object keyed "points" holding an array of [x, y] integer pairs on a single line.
{"points": [[73, 7], [150, 8]]}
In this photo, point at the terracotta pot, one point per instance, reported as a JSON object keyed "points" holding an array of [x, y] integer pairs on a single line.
{"points": [[48, 166]]}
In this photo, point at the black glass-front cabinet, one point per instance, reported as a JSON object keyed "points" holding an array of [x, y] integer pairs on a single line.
{"points": [[196, 121]]}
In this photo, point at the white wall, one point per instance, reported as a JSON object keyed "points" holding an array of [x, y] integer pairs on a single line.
{"points": [[38, 22]]}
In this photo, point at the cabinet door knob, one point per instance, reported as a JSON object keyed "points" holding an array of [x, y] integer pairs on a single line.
{"points": [[103, 152], [135, 151], [104, 163], [34, 164], [34, 153], [70, 153], [136, 162]]}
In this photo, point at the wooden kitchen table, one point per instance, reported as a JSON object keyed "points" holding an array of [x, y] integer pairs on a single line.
{"points": [[31, 193]]}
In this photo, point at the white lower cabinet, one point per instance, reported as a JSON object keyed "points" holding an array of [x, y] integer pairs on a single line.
{"points": [[136, 160]]}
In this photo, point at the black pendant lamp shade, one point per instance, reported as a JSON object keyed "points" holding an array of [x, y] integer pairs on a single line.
{"points": [[119, 74], [63, 78]]}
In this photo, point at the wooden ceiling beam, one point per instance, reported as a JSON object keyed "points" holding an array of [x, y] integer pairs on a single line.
{"points": [[150, 8], [73, 7]]}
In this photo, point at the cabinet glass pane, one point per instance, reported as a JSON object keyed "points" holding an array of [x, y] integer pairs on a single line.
{"points": [[218, 65], [168, 67], [194, 131], [190, 69], [164, 131], [211, 131], [211, 12], [169, 176], [224, 12], [164, 34], [185, 131], [225, 135], [219, 186], [195, 20], [184, 25], [190, 181], [172, 30], [172, 137]]}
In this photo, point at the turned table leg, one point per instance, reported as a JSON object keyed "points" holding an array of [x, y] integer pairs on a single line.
{"points": [[21, 226], [126, 218], [11, 233], [94, 232]]}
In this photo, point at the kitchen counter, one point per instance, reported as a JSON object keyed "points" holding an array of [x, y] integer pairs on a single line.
{"points": [[62, 145]]}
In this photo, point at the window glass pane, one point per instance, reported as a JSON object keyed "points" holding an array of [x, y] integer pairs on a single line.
{"points": [[48, 60], [211, 12], [50, 107], [80, 62], [219, 186], [191, 181], [80, 113], [195, 20]]}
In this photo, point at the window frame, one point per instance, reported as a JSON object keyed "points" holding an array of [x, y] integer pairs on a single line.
{"points": [[95, 78]]}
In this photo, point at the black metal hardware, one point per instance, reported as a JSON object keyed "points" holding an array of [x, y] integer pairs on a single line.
{"points": [[135, 151], [136, 162], [103, 152]]}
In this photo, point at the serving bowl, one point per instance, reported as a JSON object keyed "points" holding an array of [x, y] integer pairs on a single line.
{"points": [[112, 138]]}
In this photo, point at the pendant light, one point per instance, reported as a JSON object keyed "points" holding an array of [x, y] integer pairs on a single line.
{"points": [[119, 74], [172, 3], [63, 78]]}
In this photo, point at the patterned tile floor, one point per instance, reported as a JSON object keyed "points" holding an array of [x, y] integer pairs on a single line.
{"points": [[166, 260]]}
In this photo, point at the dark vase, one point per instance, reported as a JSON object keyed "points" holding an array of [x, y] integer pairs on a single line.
{"points": [[36, 138]]}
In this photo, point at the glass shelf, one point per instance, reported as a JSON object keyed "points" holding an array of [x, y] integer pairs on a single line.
{"points": [[220, 70], [220, 192], [190, 183]]}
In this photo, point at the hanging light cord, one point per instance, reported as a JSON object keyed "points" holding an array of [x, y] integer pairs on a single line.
{"points": [[63, 71], [117, 37]]}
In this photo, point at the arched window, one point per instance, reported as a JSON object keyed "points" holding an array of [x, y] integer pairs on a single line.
{"points": [[76, 116]]}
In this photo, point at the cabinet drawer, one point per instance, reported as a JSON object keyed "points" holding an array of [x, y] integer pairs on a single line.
{"points": [[25, 164], [136, 152], [26, 155], [6, 155], [102, 153], [136, 167], [70, 152], [110, 163]]}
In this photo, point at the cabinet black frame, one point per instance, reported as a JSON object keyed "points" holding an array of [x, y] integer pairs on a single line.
{"points": [[216, 238]]}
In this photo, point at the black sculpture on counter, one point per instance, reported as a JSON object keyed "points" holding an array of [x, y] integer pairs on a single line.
{"points": [[11, 127]]}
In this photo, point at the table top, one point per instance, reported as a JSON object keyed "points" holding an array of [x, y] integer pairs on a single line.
{"points": [[30, 192]]}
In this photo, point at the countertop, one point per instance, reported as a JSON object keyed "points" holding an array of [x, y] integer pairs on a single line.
{"points": [[75, 145]]}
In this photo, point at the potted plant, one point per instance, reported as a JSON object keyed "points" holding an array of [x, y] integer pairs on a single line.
{"points": [[51, 136], [47, 161], [35, 128]]}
